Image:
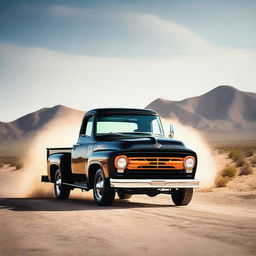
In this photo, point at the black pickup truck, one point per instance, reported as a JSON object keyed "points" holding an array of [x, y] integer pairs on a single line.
{"points": [[123, 151]]}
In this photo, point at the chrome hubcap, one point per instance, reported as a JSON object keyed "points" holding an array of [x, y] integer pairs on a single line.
{"points": [[58, 184], [99, 188]]}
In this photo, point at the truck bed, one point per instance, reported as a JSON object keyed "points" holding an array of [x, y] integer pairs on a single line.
{"points": [[51, 151]]}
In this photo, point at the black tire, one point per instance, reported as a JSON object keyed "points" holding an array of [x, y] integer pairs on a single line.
{"points": [[61, 191], [123, 195], [102, 192], [182, 196]]}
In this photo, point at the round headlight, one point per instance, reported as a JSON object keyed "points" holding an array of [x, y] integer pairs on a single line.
{"points": [[189, 162], [121, 162]]}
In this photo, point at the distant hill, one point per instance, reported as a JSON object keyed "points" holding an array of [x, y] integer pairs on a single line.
{"points": [[30, 124], [223, 109], [16, 136]]}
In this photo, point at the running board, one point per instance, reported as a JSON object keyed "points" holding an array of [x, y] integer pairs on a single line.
{"points": [[77, 185]]}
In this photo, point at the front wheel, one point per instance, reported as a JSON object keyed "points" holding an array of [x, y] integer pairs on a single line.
{"points": [[182, 196], [102, 192], [61, 191]]}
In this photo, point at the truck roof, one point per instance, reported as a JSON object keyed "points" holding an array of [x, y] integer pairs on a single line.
{"points": [[131, 111]]}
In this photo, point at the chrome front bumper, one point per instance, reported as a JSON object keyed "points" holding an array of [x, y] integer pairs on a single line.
{"points": [[154, 183]]}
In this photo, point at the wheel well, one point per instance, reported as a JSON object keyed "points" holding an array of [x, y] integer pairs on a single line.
{"points": [[92, 171], [53, 169]]}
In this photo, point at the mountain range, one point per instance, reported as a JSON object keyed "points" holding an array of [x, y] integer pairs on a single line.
{"points": [[223, 113], [30, 124], [16, 136], [221, 109]]}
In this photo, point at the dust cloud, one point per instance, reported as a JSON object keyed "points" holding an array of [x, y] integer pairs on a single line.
{"points": [[61, 132], [209, 162]]}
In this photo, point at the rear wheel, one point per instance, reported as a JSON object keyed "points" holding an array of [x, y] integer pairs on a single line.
{"points": [[61, 191], [182, 196], [123, 195], [102, 192]]}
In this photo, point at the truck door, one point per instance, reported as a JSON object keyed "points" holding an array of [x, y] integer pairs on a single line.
{"points": [[83, 147]]}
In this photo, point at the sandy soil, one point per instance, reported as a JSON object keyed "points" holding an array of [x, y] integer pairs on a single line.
{"points": [[215, 223]]}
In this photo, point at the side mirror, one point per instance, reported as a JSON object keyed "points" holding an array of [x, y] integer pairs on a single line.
{"points": [[171, 133]]}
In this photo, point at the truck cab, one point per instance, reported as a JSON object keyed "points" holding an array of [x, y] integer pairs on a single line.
{"points": [[123, 151]]}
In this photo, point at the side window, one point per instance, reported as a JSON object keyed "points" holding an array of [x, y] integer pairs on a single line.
{"points": [[155, 127], [88, 130], [87, 126]]}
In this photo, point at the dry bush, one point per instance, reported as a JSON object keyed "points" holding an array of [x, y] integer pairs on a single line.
{"points": [[235, 154], [19, 165], [229, 171], [16, 162], [221, 181], [225, 176], [1, 164], [253, 161], [246, 169], [240, 161], [221, 151], [249, 152]]}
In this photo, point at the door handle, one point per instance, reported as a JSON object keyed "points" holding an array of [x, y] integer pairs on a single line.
{"points": [[76, 145]]}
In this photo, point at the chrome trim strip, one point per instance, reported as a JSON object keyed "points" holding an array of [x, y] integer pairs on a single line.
{"points": [[154, 183], [74, 185]]}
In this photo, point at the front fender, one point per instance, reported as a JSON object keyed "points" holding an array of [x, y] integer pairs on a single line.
{"points": [[102, 158]]}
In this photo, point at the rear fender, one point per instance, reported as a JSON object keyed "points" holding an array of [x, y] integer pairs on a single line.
{"points": [[59, 161]]}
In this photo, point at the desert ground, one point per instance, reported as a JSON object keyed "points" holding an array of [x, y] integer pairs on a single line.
{"points": [[215, 223], [218, 221]]}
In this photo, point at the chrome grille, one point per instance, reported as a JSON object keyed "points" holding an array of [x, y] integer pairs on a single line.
{"points": [[152, 163]]}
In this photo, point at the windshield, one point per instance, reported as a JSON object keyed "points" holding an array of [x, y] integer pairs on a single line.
{"points": [[129, 124]]}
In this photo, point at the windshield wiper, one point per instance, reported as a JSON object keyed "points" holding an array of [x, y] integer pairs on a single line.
{"points": [[137, 133], [110, 133], [127, 134]]}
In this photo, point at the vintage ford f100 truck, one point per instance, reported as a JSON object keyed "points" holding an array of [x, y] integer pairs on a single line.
{"points": [[123, 151]]}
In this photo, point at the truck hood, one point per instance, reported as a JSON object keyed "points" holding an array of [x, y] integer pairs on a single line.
{"points": [[140, 144]]}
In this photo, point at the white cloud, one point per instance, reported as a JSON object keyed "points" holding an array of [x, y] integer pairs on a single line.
{"points": [[65, 11], [175, 34], [139, 34]]}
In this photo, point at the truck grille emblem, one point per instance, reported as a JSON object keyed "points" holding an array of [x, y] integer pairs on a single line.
{"points": [[157, 145]]}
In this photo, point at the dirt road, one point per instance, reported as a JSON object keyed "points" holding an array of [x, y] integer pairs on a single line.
{"points": [[213, 224]]}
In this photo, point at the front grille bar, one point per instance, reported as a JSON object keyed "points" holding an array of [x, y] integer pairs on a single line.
{"points": [[152, 163]]}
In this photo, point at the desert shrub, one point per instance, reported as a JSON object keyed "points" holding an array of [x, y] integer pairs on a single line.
{"points": [[221, 151], [221, 181], [253, 161], [225, 176], [249, 152], [229, 171], [235, 154], [16, 162], [1, 164], [240, 161], [19, 166], [246, 169]]}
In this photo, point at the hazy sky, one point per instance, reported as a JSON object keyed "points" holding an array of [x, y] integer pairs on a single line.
{"points": [[88, 54]]}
